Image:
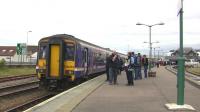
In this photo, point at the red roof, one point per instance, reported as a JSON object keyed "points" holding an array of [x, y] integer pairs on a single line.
{"points": [[7, 50]]}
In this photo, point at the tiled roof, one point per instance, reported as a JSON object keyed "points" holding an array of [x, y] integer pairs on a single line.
{"points": [[186, 50], [7, 50], [11, 50]]}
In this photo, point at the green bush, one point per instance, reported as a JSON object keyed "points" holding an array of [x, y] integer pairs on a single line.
{"points": [[2, 62]]}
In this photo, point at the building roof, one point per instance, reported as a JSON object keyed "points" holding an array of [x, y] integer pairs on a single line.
{"points": [[7, 50], [11, 50], [186, 50]]}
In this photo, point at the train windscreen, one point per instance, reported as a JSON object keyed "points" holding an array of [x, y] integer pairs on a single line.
{"points": [[42, 52], [69, 51]]}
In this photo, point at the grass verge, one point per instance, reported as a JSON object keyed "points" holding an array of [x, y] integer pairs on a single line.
{"points": [[6, 71], [195, 71]]}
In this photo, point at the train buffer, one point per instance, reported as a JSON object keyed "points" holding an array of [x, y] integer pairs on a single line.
{"points": [[148, 95]]}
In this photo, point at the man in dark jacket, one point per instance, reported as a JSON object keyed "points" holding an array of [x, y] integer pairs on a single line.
{"points": [[145, 64], [113, 68], [129, 70]]}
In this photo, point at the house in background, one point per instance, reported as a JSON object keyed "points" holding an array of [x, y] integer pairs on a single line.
{"points": [[9, 54], [188, 52], [198, 52], [170, 53]]}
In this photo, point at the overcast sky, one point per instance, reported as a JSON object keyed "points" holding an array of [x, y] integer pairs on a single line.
{"points": [[107, 23]]}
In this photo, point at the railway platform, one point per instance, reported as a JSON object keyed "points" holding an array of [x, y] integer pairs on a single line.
{"points": [[147, 95]]}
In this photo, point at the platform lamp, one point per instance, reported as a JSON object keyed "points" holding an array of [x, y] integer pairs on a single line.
{"points": [[150, 43]]}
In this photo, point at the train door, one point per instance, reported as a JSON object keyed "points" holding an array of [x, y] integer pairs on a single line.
{"points": [[54, 60], [85, 61]]}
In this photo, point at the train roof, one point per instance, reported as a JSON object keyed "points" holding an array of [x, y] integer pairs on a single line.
{"points": [[66, 36]]}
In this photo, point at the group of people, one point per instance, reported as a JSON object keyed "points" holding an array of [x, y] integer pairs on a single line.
{"points": [[132, 66]]}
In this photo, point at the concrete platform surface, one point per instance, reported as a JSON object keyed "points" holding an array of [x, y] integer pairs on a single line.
{"points": [[148, 95]]}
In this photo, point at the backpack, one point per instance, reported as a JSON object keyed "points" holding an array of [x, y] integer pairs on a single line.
{"points": [[135, 60], [132, 60]]}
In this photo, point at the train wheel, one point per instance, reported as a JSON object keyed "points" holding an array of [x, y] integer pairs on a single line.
{"points": [[43, 83], [77, 81]]}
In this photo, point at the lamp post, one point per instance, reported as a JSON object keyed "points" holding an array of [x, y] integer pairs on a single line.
{"points": [[27, 45], [159, 54], [150, 43], [154, 51], [181, 70]]}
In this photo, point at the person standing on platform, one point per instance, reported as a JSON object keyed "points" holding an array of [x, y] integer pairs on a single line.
{"points": [[129, 69], [116, 64], [137, 66], [139, 61], [113, 68], [145, 63], [110, 69]]}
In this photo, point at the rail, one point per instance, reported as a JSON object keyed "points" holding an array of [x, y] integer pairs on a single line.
{"points": [[11, 78], [29, 104]]}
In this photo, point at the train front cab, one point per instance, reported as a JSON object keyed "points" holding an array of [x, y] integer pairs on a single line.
{"points": [[56, 62]]}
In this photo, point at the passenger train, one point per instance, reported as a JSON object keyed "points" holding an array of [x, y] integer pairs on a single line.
{"points": [[63, 58]]}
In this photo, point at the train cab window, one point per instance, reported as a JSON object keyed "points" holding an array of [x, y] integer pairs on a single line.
{"points": [[69, 51], [42, 52]]}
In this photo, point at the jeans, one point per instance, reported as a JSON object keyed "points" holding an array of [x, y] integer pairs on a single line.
{"points": [[113, 75], [136, 73], [130, 75], [110, 75], [139, 72], [145, 70]]}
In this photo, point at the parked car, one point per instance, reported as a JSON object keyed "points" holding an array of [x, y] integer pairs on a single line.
{"points": [[191, 63]]}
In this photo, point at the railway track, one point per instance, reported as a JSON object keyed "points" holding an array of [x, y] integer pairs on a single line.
{"points": [[28, 104], [24, 94], [12, 78], [17, 88]]}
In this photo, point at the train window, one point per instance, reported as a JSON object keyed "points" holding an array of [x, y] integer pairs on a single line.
{"points": [[69, 51], [42, 52]]}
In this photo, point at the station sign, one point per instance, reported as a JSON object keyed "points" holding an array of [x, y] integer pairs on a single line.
{"points": [[21, 48]]}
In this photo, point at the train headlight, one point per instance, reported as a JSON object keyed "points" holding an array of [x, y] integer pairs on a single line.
{"points": [[37, 67], [42, 70], [69, 72]]}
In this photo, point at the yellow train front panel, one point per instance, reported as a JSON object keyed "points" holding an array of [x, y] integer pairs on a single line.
{"points": [[54, 60]]}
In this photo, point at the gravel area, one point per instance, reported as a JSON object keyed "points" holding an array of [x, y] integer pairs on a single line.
{"points": [[11, 101]]}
